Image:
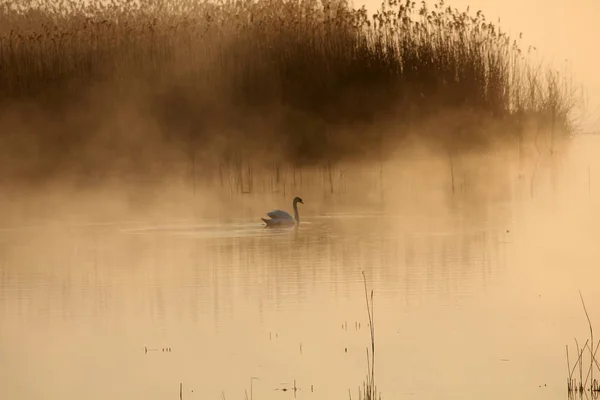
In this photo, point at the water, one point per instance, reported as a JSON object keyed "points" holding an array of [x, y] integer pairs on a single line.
{"points": [[471, 302]]}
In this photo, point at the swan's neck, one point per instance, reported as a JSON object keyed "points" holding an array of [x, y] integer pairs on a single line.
{"points": [[296, 215]]}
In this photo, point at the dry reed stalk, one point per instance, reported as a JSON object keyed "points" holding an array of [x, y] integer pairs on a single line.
{"points": [[581, 385], [369, 389]]}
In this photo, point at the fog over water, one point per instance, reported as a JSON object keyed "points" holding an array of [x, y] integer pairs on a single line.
{"points": [[469, 293]]}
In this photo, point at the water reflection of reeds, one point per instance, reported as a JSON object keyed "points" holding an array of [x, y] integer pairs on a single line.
{"points": [[160, 274]]}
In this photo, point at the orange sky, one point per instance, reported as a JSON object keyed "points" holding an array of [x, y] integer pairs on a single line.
{"points": [[560, 29]]}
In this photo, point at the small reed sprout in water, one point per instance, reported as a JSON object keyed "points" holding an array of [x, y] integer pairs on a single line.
{"points": [[299, 80], [583, 375]]}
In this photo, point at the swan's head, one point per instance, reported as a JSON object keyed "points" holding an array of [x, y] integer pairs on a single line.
{"points": [[298, 200]]}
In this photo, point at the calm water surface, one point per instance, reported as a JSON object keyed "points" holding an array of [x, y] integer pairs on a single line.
{"points": [[467, 305]]}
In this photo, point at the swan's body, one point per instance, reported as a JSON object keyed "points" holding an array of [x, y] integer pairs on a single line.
{"points": [[282, 218]]}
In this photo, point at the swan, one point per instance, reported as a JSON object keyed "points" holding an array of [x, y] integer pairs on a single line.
{"points": [[282, 218]]}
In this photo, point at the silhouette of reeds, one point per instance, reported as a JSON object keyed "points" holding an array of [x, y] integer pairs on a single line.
{"points": [[303, 81], [580, 381], [368, 391]]}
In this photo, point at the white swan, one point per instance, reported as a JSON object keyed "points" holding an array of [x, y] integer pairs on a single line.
{"points": [[282, 218]]}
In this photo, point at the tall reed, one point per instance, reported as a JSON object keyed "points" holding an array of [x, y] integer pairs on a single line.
{"points": [[369, 388]]}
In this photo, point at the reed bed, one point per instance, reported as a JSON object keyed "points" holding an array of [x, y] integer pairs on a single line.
{"points": [[299, 81]]}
